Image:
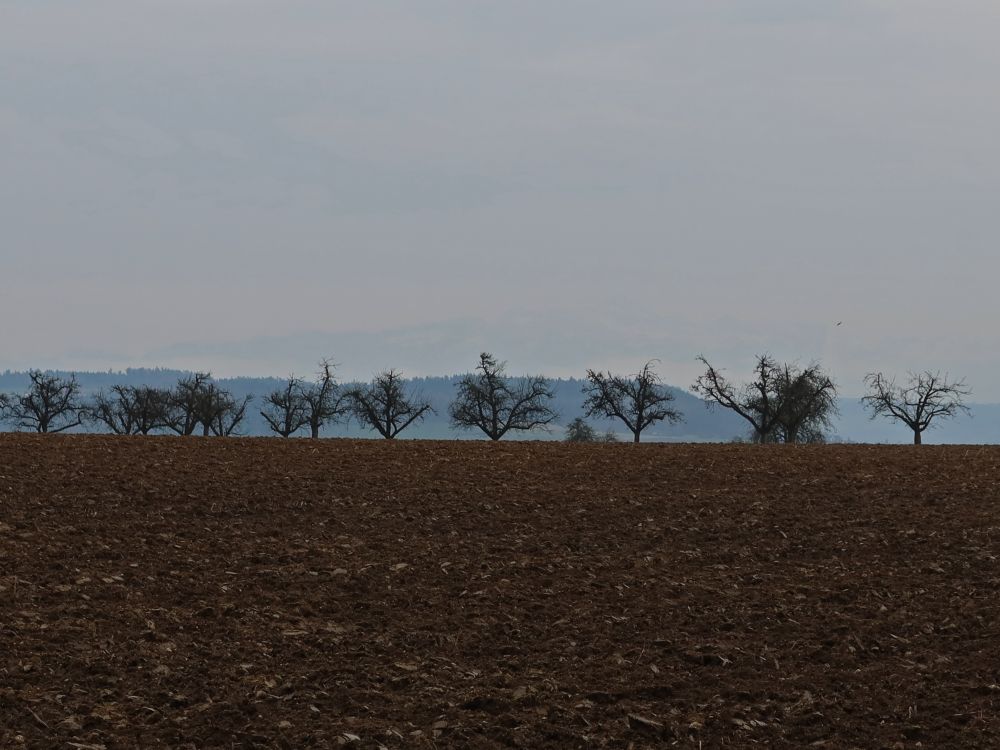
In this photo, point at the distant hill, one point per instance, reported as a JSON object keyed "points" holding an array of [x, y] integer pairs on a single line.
{"points": [[701, 424]]}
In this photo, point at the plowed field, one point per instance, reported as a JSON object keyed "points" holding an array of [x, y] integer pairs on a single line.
{"points": [[244, 593]]}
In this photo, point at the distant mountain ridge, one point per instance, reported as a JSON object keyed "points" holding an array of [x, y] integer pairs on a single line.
{"points": [[701, 423]]}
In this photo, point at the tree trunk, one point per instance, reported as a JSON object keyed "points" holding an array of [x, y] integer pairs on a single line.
{"points": [[916, 437], [315, 431], [635, 433]]}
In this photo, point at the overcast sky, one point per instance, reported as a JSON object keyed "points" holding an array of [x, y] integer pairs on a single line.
{"points": [[248, 186]]}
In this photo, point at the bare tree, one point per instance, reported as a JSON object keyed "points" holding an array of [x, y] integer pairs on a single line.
{"points": [[220, 413], [781, 403], [196, 402], [130, 410], [807, 406], [285, 409], [926, 397], [384, 405], [638, 400], [751, 401], [496, 404], [51, 404], [183, 407], [325, 402]]}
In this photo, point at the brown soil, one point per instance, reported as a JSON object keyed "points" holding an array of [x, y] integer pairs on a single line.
{"points": [[250, 593]]}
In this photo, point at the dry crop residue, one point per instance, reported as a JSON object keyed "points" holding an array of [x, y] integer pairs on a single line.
{"points": [[252, 593]]}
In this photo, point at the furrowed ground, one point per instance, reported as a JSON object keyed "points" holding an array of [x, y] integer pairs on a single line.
{"points": [[252, 593]]}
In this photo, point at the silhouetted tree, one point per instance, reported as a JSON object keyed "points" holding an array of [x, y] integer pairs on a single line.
{"points": [[384, 405], [220, 413], [496, 404], [325, 402], [285, 409], [197, 402], [926, 397], [184, 407], [578, 431], [130, 410], [782, 403], [809, 403], [51, 404], [638, 400], [751, 401]]}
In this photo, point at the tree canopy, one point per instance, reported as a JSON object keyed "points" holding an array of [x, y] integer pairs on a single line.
{"points": [[925, 398], [496, 404], [638, 400], [385, 406]]}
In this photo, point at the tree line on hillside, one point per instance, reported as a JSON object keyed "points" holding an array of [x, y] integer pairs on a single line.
{"points": [[781, 403]]}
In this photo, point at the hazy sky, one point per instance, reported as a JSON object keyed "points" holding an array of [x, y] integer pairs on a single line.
{"points": [[248, 186]]}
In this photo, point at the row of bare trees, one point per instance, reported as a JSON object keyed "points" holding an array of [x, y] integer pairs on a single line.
{"points": [[195, 405], [496, 404], [306, 404], [198, 405], [782, 403]]}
